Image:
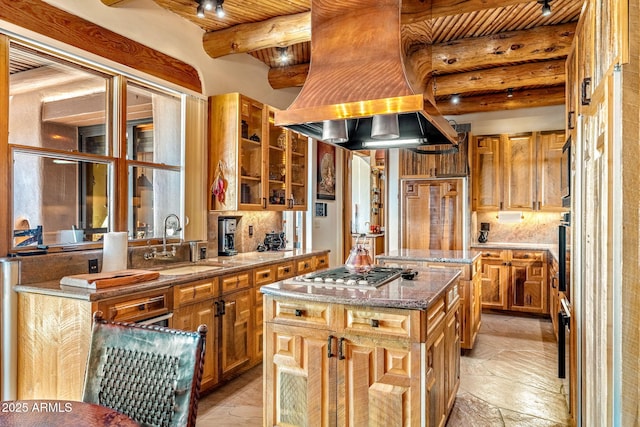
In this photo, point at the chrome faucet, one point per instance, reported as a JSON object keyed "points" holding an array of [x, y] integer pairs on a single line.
{"points": [[165, 253], [164, 234]]}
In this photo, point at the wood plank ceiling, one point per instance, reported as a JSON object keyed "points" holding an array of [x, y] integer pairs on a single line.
{"points": [[482, 50]]}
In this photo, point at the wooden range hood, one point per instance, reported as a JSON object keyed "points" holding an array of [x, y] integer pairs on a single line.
{"points": [[357, 72]]}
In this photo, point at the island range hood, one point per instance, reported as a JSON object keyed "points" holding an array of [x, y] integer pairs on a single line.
{"points": [[358, 93]]}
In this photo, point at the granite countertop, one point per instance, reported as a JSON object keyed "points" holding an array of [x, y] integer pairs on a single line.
{"points": [[367, 235], [552, 248], [226, 264], [416, 294], [431, 255]]}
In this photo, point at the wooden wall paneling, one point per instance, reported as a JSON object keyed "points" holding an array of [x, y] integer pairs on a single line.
{"points": [[59, 328], [630, 147], [6, 226], [42, 18]]}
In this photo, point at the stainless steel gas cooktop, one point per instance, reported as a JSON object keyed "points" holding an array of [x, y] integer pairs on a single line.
{"points": [[341, 277]]}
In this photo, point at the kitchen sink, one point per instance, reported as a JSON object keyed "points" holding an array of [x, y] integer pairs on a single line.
{"points": [[189, 269]]}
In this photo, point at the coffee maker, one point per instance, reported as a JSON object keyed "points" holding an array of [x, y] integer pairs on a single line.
{"points": [[227, 237]]}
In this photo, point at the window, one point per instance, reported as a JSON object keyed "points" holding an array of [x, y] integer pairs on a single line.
{"points": [[66, 151]]}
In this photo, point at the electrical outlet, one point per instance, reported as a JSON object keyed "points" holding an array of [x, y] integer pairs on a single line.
{"points": [[93, 265], [203, 252], [250, 230]]}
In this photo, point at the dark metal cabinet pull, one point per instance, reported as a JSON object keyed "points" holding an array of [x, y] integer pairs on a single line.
{"points": [[223, 308], [329, 344], [298, 312], [341, 349], [375, 323], [586, 84], [217, 312]]}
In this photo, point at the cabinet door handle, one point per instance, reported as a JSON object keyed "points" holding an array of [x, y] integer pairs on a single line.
{"points": [[329, 344], [341, 349], [264, 203], [586, 84], [570, 118], [286, 269], [217, 312], [375, 323], [223, 308], [265, 275], [298, 312], [501, 205]]}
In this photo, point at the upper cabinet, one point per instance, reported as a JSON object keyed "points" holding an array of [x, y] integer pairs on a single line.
{"points": [[517, 172], [261, 166]]}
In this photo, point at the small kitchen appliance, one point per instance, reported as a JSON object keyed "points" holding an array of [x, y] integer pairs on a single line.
{"points": [[227, 236], [484, 232], [274, 242]]}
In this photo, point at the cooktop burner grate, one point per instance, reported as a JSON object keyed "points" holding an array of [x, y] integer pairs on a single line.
{"points": [[340, 276]]}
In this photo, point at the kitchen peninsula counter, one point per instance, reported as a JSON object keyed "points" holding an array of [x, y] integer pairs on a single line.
{"points": [[54, 321], [226, 264], [385, 356]]}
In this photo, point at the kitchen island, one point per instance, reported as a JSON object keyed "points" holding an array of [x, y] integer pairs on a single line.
{"points": [[361, 355], [470, 289]]}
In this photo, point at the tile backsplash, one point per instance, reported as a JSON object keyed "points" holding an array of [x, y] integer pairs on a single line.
{"points": [[536, 227]]}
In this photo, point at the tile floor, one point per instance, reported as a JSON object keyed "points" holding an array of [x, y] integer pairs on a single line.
{"points": [[508, 379]]}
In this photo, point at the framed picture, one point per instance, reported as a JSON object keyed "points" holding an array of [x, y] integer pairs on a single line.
{"points": [[326, 158]]}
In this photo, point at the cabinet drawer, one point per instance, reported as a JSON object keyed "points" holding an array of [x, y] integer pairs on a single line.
{"points": [[235, 282], [322, 261], [193, 292], [435, 314], [137, 308], [496, 254], [299, 313], [285, 271], [528, 255], [305, 265], [397, 323], [264, 276]]}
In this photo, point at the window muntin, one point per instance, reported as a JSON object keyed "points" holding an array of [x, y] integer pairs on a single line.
{"points": [[63, 150]]}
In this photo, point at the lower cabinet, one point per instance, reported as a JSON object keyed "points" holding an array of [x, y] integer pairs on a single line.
{"points": [[515, 280], [331, 364], [230, 322]]}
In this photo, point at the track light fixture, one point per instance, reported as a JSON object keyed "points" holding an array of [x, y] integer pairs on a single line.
{"points": [[455, 98], [208, 5], [546, 8], [510, 92]]}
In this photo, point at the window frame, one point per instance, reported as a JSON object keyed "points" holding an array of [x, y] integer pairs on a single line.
{"points": [[115, 133]]}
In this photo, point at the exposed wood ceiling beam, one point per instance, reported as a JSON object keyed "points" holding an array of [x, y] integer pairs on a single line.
{"points": [[553, 95], [279, 31], [539, 43], [290, 29], [546, 73]]}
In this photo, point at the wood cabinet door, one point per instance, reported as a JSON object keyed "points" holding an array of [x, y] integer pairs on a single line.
{"points": [[432, 215], [528, 282], [452, 357], [301, 376], [495, 280], [378, 381], [486, 173], [520, 172], [236, 332], [435, 396], [188, 318], [549, 167]]}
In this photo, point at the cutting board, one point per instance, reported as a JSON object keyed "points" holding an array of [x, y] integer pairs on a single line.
{"points": [[107, 280]]}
